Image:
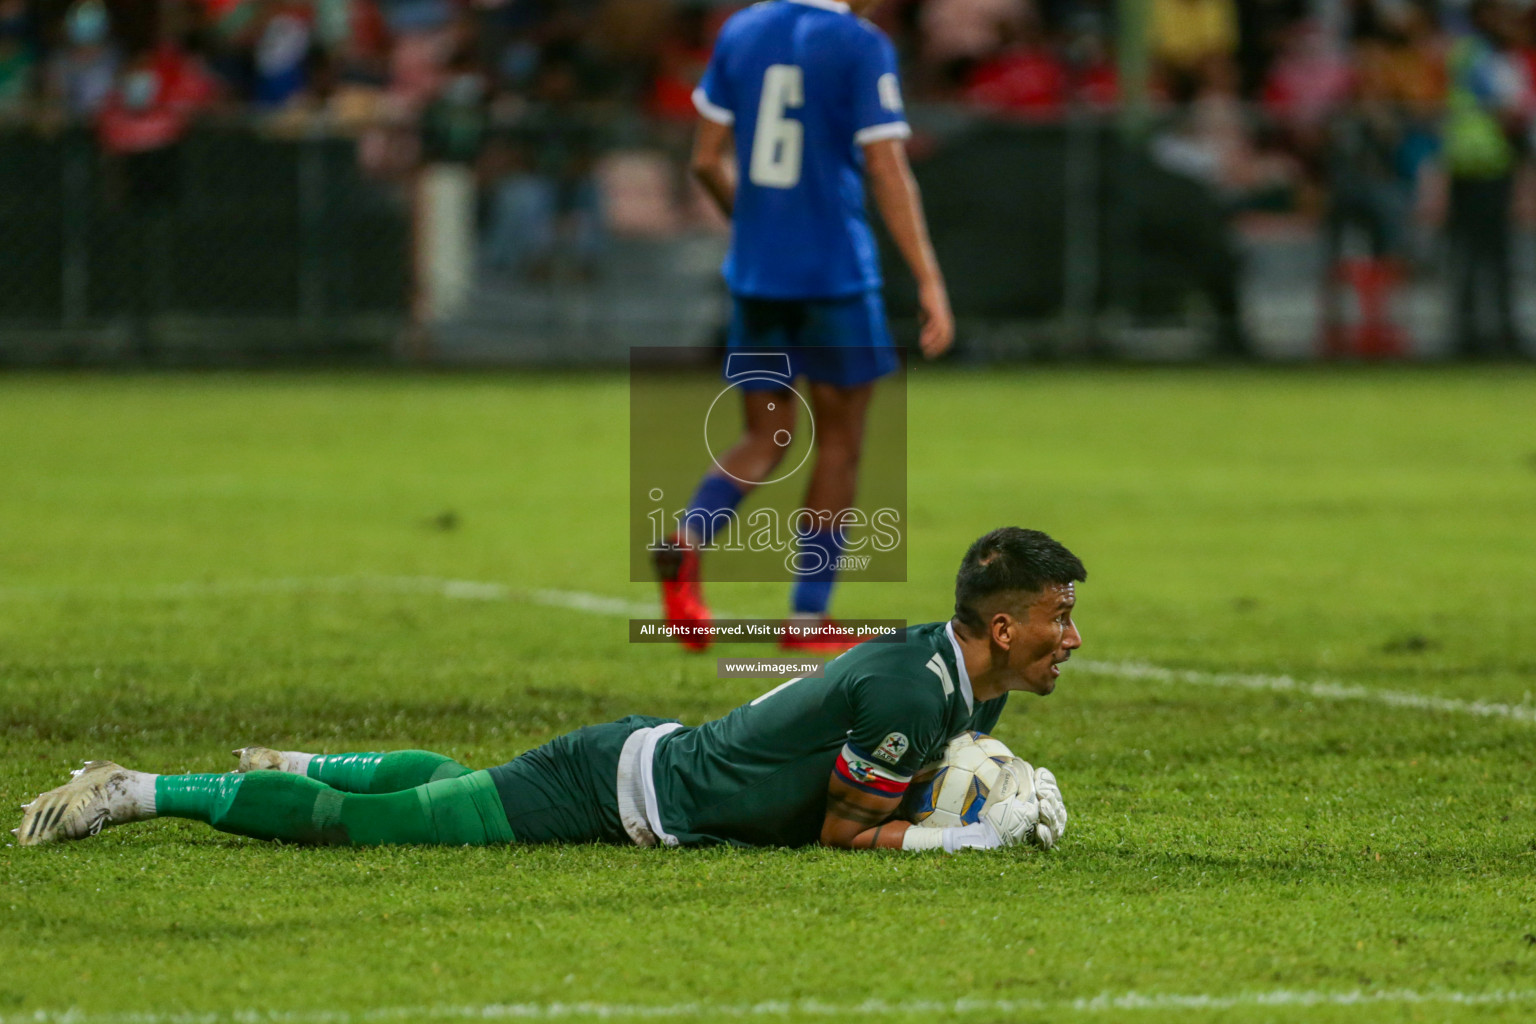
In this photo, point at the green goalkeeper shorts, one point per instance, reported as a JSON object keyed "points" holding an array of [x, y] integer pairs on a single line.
{"points": [[567, 790]]}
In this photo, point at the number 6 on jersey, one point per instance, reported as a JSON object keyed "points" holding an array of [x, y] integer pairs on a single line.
{"points": [[779, 141]]}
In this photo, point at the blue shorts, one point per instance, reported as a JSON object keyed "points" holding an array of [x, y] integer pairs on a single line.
{"points": [[843, 342]]}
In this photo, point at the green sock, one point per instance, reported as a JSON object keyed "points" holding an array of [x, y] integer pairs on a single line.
{"points": [[383, 773], [200, 797], [275, 805]]}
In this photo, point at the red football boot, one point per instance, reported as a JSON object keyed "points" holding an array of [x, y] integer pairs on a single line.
{"points": [[816, 639], [682, 598]]}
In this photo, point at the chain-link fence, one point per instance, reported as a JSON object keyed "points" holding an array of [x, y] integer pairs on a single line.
{"points": [[230, 243], [1075, 236], [572, 238]]}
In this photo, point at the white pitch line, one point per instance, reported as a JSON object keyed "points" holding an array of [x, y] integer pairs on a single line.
{"points": [[877, 1008], [458, 590], [1320, 689], [600, 604]]}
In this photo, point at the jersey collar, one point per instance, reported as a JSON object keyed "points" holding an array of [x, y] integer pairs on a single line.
{"points": [[829, 5], [949, 631]]}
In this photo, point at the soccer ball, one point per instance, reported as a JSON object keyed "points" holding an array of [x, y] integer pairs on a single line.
{"points": [[974, 764]]}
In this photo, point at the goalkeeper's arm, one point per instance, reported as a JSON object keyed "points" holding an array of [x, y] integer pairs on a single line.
{"points": [[860, 820]]}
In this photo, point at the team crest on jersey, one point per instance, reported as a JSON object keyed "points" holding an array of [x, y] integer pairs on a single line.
{"points": [[892, 747]]}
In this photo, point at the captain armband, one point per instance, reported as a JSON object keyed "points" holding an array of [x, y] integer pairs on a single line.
{"points": [[860, 771]]}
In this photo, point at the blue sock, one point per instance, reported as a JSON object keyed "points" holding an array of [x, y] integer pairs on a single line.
{"points": [[713, 504], [813, 588]]}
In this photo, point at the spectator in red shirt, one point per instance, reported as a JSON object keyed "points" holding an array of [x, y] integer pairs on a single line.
{"points": [[680, 63], [1024, 77], [1309, 78], [148, 113]]}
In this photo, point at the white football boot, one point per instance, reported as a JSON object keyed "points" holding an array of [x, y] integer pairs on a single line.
{"points": [[100, 794], [265, 759], [259, 759]]}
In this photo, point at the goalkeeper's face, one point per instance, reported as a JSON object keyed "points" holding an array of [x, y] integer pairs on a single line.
{"points": [[1043, 636]]}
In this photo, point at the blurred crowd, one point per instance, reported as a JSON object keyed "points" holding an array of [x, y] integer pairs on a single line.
{"points": [[1383, 119], [1263, 76]]}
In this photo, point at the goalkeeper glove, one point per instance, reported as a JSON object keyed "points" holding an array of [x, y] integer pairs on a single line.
{"points": [[1052, 822], [1013, 808], [1009, 816]]}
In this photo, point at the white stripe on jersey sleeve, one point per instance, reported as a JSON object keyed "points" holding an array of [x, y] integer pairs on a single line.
{"points": [[831, 5], [937, 667], [880, 132], [709, 110]]}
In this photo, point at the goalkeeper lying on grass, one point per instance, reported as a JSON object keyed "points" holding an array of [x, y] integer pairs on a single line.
{"points": [[814, 760]]}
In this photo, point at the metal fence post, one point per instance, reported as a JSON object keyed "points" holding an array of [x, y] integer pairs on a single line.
{"points": [[75, 261], [1134, 118], [312, 218], [1080, 254]]}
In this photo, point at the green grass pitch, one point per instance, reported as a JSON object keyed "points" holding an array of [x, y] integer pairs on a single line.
{"points": [[189, 564]]}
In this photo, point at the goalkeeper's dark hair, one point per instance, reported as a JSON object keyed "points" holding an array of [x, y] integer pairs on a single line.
{"points": [[1011, 559]]}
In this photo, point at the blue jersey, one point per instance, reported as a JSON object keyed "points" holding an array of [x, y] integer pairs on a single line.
{"points": [[805, 84]]}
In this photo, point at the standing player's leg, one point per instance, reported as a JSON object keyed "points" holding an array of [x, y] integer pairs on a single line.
{"points": [[757, 326], [750, 459], [840, 415], [759, 450], [356, 773], [769, 417], [849, 348], [271, 805]]}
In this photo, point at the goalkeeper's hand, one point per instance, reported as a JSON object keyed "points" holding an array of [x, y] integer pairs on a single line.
{"points": [[1026, 806], [1012, 808], [1053, 813], [1008, 817]]}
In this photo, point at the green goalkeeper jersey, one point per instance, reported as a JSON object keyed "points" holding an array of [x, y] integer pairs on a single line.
{"points": [[759, 775]]}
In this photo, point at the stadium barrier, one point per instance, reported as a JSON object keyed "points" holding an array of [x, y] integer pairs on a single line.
{"points": [[234, 243], [569, 240]]}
